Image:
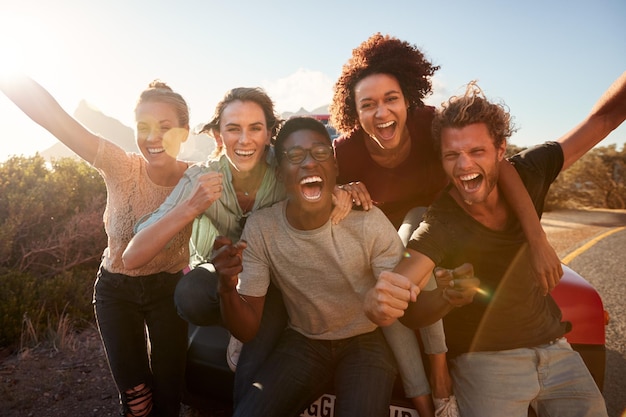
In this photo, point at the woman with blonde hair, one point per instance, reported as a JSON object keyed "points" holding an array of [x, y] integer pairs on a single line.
{"points": [[215, 198], [144, 339]]}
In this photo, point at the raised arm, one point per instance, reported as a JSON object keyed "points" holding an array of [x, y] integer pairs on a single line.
{"points": [[546, 265], [44, 110], [605, 116]]}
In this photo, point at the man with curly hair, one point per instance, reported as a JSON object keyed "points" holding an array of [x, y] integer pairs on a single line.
{"points": [[386, 158], [507, 348]]}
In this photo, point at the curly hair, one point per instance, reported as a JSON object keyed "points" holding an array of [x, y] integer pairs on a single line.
{"points": [[160, 92], [473, 107], [380, 55]]}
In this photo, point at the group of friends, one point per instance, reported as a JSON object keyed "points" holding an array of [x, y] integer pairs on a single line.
{"points": [[323, 257]]}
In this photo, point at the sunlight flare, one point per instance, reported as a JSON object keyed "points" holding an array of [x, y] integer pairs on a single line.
{"points": [[26, 44]]}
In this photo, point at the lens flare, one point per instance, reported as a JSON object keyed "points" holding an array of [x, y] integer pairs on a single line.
{"points": [[482, 292]]}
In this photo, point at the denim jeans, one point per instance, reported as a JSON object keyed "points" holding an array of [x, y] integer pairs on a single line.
{"points": [[256, 351], [401, 340], [198, 302], [196, 297], [144, 338], [552, 378], [361, 369]]}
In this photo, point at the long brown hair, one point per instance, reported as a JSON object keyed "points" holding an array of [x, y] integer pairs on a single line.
{"points": [[254, 94]]}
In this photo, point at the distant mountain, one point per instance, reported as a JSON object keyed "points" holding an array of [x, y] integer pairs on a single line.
{"points": [[100, 124], [197, 147]]}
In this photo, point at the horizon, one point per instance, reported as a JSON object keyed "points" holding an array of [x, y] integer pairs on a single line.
{"points": [[533, 56], [283, 114]]}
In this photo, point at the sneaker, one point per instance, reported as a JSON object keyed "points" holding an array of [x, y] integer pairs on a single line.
{"points": [[446, 407], [232, 353]]}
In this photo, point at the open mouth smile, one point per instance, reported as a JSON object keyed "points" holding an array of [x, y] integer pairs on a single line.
{"points": [[471, 182], [155, 151], [385, 125], [244, 154], [311, 187]]}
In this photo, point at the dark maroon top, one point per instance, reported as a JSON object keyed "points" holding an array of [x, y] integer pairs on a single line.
{"points": [[415, 182]]}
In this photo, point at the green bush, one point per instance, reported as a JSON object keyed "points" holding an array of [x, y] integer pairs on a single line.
{"points": [[51, 241], [596, 180], [16, 301], [50, 215], [34, 305]]}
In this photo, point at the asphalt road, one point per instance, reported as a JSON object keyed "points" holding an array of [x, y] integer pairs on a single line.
{"points": [[601, 259]]}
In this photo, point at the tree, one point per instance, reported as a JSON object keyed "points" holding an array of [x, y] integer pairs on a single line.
{"points": [[597, 180], [51, 239], [50, 215]]}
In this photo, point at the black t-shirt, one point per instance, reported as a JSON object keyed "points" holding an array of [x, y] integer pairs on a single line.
{"points": [[513, 313]]}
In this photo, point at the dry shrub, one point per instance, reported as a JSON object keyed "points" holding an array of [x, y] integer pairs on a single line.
{"points": [[36, 310]]}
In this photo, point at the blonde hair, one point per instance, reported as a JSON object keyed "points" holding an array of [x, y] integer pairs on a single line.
{"points": [[160, 92]]}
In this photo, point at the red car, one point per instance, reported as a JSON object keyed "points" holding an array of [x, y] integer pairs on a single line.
{"points": [[209, 378], [582, 307]]}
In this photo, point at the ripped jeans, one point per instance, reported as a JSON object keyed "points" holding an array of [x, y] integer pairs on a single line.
{"points": [[144, 338]]}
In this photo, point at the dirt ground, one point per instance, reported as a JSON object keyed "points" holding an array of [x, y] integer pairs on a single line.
{"points": [[44, 381], [75, 381]]}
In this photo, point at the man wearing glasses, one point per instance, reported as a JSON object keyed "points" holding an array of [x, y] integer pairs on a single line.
{"points": [[323, 271]]}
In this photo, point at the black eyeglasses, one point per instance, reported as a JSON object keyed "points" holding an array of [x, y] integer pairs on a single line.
{"points": [[297, 154]]}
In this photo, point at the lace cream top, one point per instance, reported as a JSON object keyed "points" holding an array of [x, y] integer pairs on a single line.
{"points": [[130, 195]]}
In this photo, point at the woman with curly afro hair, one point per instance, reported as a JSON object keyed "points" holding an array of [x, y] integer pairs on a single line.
{"points": [[386, 158]]}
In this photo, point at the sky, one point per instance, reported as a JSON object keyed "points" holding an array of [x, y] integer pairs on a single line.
{"points": [[549, 61]]}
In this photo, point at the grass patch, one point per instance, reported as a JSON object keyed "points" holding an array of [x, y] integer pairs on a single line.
{"points": [[36, 310]]}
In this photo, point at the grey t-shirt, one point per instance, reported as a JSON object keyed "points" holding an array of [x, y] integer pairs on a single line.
{"points": [[322, 273]]}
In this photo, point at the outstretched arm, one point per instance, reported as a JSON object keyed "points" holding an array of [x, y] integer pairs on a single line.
{"points": [[44, 110], [605, 116], [545, 263]]}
